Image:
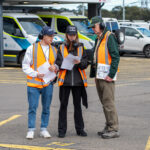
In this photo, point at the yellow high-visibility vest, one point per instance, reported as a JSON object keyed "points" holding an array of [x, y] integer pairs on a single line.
{"points": [[62, 73], [38, 60], [103, 58]]}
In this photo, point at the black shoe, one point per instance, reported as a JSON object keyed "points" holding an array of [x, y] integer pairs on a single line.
{"points": [[61, 135], [81, 133]]}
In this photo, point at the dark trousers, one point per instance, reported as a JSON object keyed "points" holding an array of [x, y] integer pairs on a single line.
{"points": [[64, 97]]}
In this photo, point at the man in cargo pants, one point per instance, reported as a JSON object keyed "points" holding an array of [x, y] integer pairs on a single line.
{"points": [[105, 67]]}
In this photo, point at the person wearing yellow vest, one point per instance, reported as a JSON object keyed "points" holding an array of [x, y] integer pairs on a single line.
{"points": [[74, 80], [104, 68], [35, 56]]}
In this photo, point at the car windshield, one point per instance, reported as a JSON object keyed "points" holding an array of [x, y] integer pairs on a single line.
{"points": [[32, 26], [145, 31], [82, 25]]}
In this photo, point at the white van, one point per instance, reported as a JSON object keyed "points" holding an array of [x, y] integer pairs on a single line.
{"points": [[60, 22], [113, 26], [20, 31]]}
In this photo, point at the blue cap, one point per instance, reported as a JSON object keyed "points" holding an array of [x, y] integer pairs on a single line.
{"points": [[47, 31]]}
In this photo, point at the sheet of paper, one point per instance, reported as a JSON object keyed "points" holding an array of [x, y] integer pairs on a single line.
{"points": [[48, 75], [103, 71], [68, 62]]}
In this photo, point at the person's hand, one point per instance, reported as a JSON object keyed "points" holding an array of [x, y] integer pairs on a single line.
{"points": [[108, 79], [76, 61], [52, 68], [40, 76]]}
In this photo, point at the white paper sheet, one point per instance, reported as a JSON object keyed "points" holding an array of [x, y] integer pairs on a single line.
{"points": [[103, 71], [68, 62], [48, 75]]}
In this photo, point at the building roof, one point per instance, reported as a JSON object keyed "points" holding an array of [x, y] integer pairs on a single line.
{"points": [[36, 2]]}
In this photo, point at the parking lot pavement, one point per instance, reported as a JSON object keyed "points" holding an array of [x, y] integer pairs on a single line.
{"points": [[132, 102]]}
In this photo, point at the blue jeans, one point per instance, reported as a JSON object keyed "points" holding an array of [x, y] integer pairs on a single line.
{"points": [[33, 100]]}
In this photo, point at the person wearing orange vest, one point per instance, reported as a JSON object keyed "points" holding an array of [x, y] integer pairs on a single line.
{"points": [[35, 56], [74, 80], [104, 68]]}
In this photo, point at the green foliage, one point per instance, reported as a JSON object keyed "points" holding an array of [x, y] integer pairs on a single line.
{"points": [[132, 13]]}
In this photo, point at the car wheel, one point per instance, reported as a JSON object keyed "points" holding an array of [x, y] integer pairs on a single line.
{"points": [[120, 36], [147, 51]]}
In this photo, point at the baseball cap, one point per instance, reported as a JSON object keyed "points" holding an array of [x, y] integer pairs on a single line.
{"points": [[94, 20], [71, 30], [47, 31]]}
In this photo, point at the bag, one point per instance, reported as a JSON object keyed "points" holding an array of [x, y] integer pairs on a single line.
{"points": [[93, 71]]}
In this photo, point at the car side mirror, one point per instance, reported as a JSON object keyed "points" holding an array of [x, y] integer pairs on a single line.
{"points": [[137, 36]]}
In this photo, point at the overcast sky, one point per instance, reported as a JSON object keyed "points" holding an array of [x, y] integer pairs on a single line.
{"points": [[114, 3], [109, 5]]}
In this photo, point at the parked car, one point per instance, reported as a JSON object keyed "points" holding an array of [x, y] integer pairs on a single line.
{"points": [[135, 24], [137, 40]]}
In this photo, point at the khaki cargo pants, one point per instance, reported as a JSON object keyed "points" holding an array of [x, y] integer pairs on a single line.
{"points": [[106, 92]]}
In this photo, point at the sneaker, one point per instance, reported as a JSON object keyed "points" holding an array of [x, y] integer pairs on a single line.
{"points": [[45, 134], [103, 131], [30, 135], [110, 134], [81, 133]]}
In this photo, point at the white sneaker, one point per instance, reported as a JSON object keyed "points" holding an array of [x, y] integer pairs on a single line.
{"points": [[45, 134], [30, 135]]}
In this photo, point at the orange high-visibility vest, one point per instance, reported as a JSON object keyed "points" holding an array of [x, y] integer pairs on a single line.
{"points": [[38, 60], [62, 73], [103, 56]]}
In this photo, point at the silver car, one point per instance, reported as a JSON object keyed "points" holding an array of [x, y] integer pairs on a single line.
{"points": [[137, 40]]}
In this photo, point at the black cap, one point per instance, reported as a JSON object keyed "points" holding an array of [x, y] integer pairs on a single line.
{"points": [[71, 30]]}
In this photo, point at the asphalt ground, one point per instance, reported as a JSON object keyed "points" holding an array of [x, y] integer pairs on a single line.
{"points": [[132, 102]]}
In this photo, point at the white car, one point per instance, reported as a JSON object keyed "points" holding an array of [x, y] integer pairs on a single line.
{"points": [[137, 40]]}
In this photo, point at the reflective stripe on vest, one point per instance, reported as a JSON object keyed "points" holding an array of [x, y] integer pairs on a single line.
{"points": [[62, 73], [106, 48], [103, 55], [36, 82]]}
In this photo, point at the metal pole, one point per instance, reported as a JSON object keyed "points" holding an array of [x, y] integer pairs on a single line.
{"points": [[83, 11], [100, 9], [1, 34], [123, 10]]}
